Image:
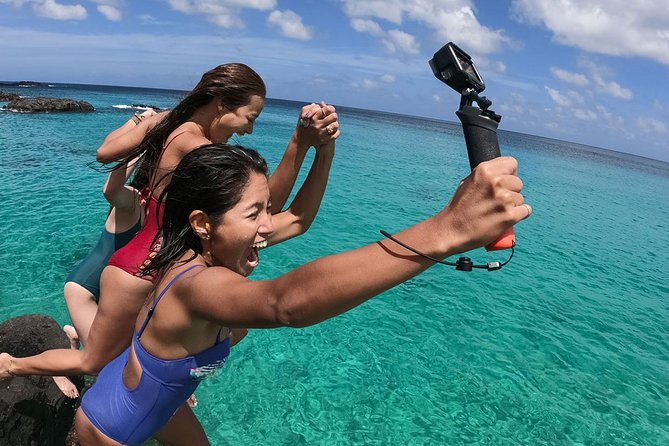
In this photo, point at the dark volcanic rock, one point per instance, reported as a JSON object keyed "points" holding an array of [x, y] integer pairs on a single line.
{"points": [[33, 411], [146, 106], [4, 96], [43, 104], [24, 84]]}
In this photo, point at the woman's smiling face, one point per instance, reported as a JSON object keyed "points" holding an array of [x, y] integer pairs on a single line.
{"points": [[241, 231], [239, 120]]}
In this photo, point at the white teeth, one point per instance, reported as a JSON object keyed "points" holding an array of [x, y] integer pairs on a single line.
{"points": [[260, 245]]}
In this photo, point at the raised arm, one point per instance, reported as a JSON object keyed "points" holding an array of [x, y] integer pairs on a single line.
{"points": [[283, 179], [115, 190], [485, 204], [122, 140], [302, 211]]}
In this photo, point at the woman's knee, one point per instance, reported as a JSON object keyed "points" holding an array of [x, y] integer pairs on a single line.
{"points": [[75, 293]]}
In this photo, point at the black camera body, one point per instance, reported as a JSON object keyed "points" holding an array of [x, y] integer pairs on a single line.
{"points": [[454, 67]]}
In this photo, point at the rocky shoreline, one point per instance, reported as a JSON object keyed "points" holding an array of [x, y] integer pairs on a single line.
{"points": [[32, 409], [43, 104]]}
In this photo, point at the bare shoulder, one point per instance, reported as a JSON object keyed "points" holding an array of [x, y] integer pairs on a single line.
{"points": [[205, 283], [186, 138]]}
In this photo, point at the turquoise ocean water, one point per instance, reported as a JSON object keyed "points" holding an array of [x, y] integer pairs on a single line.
{"points": [[569, 344]]}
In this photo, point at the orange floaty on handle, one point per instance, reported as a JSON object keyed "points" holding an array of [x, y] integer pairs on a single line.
{"points": [[505, 241]]}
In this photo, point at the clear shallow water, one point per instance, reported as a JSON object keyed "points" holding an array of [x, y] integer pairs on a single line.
{"points": [[567, 345]]}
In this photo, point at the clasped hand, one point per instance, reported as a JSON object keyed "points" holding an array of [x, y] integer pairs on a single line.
{"points": [[318, 124]]}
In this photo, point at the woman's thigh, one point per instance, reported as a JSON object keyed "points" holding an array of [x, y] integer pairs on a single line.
{"points": [[183, 429], [88, 434]]}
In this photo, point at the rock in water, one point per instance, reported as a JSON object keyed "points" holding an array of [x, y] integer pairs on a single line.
{"points": [[33, 411], [44, 104], [5, 96]]}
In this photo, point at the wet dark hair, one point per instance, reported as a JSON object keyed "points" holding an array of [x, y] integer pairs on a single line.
{"points": [[211, 178], [232, 83]]}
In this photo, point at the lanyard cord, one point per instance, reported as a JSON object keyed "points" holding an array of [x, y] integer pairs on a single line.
{"points": [[463, 263]]}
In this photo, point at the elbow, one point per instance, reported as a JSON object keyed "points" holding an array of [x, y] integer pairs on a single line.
{"points": [[89, 366], [91, 369], [300, 225], [100, 157], [304, 223], [290, 313]]}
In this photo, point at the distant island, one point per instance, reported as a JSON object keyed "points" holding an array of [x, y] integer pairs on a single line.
{"points": [[24, 84]]}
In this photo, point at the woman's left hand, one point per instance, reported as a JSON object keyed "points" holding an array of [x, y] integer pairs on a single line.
{"points": [[318, 124], [5, 366]]}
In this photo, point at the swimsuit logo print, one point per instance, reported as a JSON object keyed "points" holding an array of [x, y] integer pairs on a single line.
{"points": [[206, 371]]}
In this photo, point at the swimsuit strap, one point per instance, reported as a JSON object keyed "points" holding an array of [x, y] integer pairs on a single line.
{"points": [[149, 195], [173, 138], [153, 307]]}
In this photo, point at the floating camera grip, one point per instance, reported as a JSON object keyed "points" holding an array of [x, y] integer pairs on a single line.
{"points": [[482, 145]]}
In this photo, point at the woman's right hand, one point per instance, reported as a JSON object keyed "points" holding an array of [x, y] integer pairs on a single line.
{"points": [[485, 204], [147, 113], [318, 124]]}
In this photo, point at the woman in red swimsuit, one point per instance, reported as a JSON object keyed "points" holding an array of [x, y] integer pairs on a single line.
{"points": [[227, 101]]}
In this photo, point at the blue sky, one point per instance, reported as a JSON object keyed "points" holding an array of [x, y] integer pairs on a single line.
{"points": [[592, 71]]}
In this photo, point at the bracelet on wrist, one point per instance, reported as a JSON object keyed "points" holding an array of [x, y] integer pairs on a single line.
{"points": [[136, 119]]}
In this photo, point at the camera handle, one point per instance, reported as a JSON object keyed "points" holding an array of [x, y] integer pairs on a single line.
{"points": [[480, 128]]}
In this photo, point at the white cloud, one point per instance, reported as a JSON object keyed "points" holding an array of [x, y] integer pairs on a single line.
{"points": [[585, 114], [558, 97], [599, 73], [383, 9], [397, 41], [183, 6], [290, 24], [394, 41], [367, 84], [613, 88], [651, 126], [570, 77], [388, 78], [659, 106], [52, 10], [498, 66], [111, 13], [223, 13], [614, 120], [614, 27], [226, 19], [148, 19], [261, 5], [445, 19], [368, 26]]}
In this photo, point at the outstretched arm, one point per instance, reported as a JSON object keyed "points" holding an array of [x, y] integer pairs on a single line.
{"points": [[283, 179], [298, 217], [122, 140], [484, 205]]}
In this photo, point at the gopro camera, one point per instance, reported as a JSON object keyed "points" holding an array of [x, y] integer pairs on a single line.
{"points": [[455, 68]]}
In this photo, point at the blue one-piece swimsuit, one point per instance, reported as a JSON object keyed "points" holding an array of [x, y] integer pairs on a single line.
{"points": [[132, 416]]}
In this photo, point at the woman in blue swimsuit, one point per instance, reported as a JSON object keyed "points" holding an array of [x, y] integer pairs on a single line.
{"points": [[216, 218]]}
